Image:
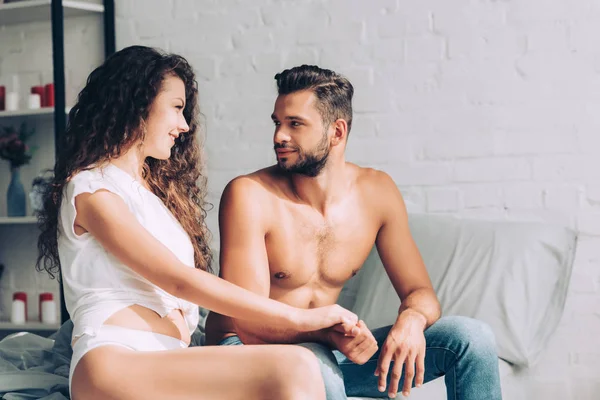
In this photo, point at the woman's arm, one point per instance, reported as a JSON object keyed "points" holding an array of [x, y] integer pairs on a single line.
{"points": [[106, 217]]}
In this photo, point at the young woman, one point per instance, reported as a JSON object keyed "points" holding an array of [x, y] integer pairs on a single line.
{"points": [[124, 225]]}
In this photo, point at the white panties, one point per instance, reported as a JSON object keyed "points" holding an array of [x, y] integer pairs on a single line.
{"points": [[132, 339]]}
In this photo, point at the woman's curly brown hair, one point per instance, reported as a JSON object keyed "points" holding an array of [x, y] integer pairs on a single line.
{"points": [[107, 120]]}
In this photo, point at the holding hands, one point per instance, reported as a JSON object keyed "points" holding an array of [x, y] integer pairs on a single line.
{"points": [[315, 319], [358, 345], [404, 345]]}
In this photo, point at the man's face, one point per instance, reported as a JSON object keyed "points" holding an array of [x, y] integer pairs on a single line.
{"points": [[301, 141]]}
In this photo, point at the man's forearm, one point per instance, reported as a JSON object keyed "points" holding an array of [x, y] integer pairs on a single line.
{"points": [[252, 334], [425, 302]]}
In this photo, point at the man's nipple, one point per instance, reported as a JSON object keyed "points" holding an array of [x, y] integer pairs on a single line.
{"points": [[281, 275]]}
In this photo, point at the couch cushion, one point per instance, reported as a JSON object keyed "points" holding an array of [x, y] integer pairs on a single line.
{"points": [[512, 275]]}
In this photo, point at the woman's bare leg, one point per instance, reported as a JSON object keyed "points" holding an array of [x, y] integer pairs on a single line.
{"points": [[240, 372]]}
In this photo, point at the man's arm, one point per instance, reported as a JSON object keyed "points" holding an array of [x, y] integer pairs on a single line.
{"points": [[401, 257], [405, 344], [243, 224]]}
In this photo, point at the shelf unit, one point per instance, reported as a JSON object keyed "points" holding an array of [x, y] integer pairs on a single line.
{"points": [[39, 10], [39, 112], [55, 11], [17, 220], [28, 326]]}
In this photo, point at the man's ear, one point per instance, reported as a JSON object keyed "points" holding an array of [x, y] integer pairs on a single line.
{"points": [[340, 132]]}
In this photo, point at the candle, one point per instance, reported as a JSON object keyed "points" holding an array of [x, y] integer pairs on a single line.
{"points": [[49, 95], [35, 101], [39, 90], [19, 308], [2, 97], [12, 101]]}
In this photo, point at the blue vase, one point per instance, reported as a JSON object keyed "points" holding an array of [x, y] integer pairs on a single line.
{"points": [[15, 196]]}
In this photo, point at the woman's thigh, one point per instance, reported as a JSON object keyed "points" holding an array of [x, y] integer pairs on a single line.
{"points": [[237, 372]]}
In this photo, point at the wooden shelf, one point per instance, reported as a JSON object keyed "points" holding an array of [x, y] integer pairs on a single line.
{"points": [[27, 113], [38, 112], [17, 220], [28, 326], [39, 10]]}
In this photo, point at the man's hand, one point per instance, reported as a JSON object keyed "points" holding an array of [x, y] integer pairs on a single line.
{"points": [[359, 346], [405, 345]]}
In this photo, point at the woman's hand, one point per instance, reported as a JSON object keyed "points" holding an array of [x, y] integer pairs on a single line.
{"points": [[315, 319]]}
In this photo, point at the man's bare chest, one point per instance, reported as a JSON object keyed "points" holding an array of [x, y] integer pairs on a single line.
{"points": [[306, 248]]}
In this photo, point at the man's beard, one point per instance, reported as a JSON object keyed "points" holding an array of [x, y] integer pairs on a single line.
{"points": [[308, 164]]}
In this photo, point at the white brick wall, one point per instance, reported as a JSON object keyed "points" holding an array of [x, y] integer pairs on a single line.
{"points": [[483, 109]]}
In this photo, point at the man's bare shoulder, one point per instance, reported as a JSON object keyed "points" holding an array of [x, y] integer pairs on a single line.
{"points": [[257, 185], [245, 199], [379, 192], [371, 180], [268, 176]]}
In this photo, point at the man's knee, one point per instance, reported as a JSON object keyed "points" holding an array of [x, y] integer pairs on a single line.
{"points": [[469, 329], [475, 336]]}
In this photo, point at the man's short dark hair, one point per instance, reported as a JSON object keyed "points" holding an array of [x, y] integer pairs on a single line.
{"points": [[333, 91]]}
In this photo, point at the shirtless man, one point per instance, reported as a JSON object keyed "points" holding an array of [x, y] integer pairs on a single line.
{"points": [[299, 230]]}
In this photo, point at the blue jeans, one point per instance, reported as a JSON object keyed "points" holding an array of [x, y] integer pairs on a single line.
{"points": [[459, 348]]}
